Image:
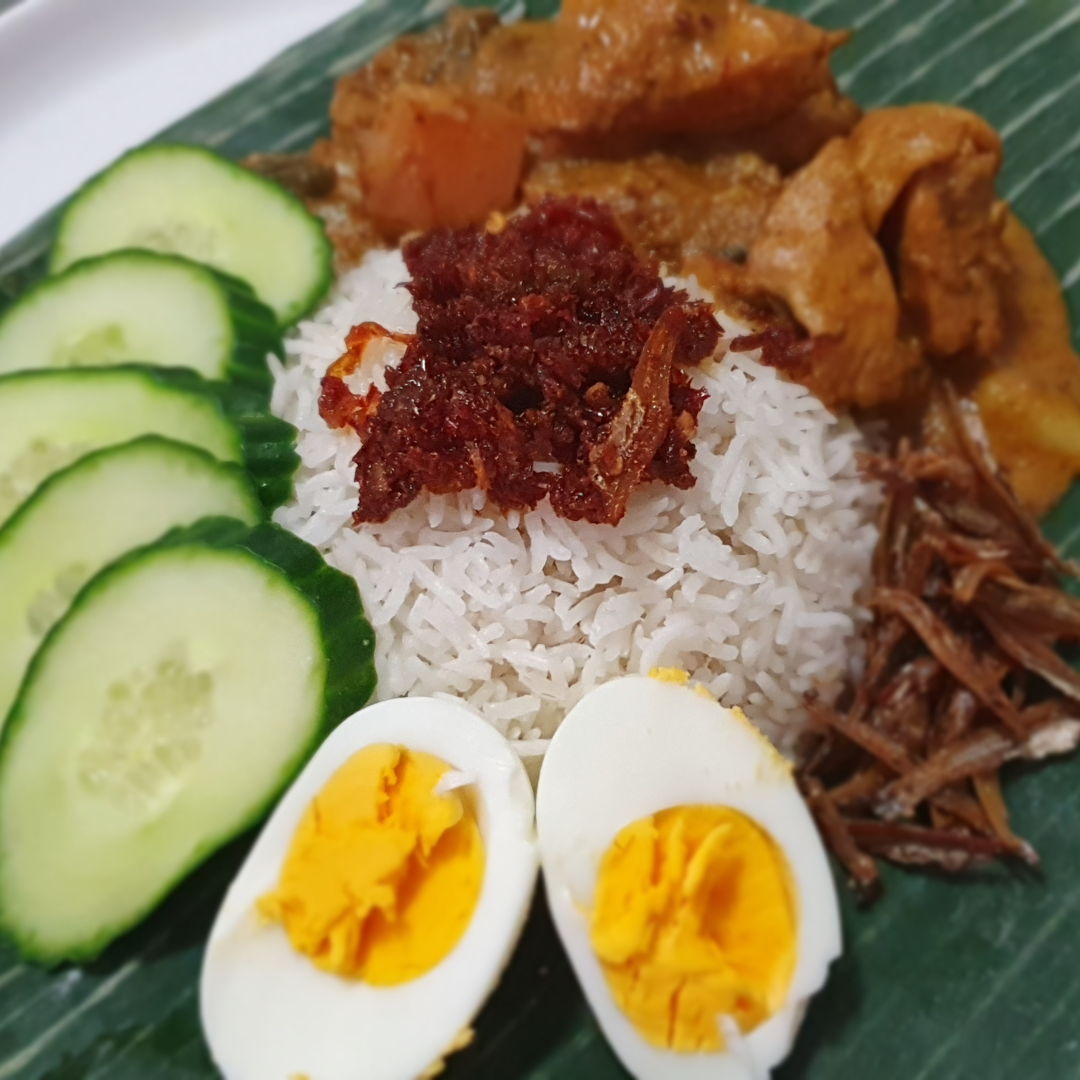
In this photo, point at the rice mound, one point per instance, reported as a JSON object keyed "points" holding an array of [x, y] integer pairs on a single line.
{"points": [[750, 581]]}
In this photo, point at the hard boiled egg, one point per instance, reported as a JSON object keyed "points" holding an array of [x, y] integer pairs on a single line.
{"points": [[378, 906], [686, 879]]}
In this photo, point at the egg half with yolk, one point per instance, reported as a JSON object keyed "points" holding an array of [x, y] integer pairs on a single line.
{"points": [[686, 879], [378, 906]]}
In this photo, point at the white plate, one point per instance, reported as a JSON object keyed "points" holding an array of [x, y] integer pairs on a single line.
{"points": [[83, 80]]}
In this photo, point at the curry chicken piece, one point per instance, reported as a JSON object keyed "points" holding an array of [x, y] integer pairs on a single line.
{"points": [[1030, 395], [818, 254], [670, 208], [912, 187], [433, 131], [931, 168], [792, 139], [892, 146], [437, 56], [655, 66], [697, 218], [892, 248]]}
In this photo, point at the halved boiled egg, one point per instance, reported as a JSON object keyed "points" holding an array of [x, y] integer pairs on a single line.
{"points": [[378, 906], [686, 879]]}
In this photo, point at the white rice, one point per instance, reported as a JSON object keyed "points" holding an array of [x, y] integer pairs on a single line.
{"points": [[750, 581]]}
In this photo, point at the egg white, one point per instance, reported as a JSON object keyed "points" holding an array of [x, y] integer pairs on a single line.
{"points": [[269, 1014], [629, 749]]}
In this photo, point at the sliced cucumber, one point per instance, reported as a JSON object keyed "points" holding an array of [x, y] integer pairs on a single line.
{"points": [[48, 419], [161, 717], [140, 306], [89, 514], [190, 201]]}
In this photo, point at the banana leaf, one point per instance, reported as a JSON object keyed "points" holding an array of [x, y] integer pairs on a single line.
{"points": [[942, 979]]}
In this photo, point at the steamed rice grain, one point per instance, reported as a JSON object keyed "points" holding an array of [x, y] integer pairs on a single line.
{"points": [[751, 581]]}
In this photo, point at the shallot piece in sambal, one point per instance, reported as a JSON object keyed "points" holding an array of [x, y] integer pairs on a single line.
{"points": [[548, 361]]}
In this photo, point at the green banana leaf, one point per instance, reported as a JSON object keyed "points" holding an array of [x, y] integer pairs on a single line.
{"points": [[943, 979]]}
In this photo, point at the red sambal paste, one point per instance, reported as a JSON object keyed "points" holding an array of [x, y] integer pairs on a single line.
{"points": [[548, 361]]}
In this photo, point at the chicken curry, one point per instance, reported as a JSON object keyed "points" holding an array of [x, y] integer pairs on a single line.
{"points": [[872, 247]]}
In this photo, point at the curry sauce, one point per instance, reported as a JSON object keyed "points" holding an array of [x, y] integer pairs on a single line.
{"points": [[714, 132]]}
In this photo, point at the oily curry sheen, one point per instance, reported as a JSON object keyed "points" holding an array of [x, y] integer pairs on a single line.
{"points": [[875, 246]]}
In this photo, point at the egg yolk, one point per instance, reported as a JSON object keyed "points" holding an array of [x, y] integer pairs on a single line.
{"points": [[383, 873], [695, 920]]}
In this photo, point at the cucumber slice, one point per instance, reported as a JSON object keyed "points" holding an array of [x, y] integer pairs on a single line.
{"points": [[140, 306], [48, 419], [161, 717], [190, 201], [89, 514]]}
